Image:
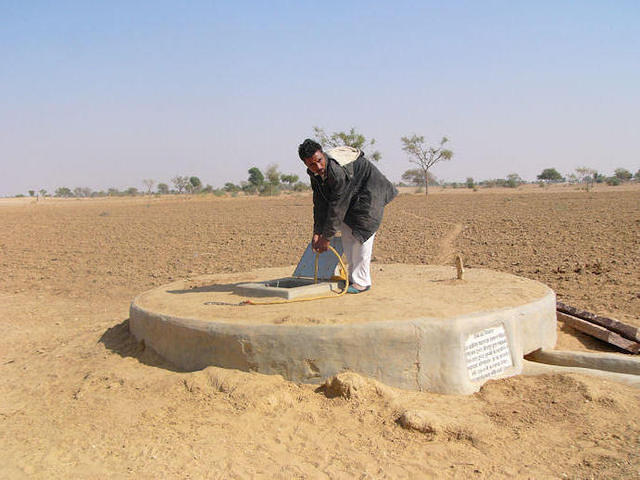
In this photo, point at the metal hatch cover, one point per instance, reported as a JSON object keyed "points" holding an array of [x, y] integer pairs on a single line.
{"points": [[327, 262]]}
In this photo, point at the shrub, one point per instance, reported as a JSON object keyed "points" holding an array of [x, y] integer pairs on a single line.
{"points": [[613, 181], [301, 187]]}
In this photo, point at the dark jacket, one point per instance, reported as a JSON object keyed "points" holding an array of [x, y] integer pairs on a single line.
{"points": [[355, 193]]}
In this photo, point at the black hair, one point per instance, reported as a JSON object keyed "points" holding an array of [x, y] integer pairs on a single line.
{"points": [[308, 148]]}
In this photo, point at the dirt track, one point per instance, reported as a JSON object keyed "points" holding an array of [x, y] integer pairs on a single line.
{"points": [[81, 399]]}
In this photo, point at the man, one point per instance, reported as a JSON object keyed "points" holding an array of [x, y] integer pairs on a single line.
{"points": [[349, 195]]}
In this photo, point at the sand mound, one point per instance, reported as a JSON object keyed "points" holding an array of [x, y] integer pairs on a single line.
{"points": [[245, 391], [433, 424], [350, 385]]}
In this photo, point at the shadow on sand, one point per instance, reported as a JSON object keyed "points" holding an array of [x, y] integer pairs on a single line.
{"points": [[118, 339], [589, 341]]}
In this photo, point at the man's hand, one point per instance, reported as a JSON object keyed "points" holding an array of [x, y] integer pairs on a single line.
{"points": [[319, 244]]}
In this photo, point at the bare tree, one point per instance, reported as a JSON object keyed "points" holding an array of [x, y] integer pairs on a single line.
{"points": [[425, 156], [180, 182], [82, 192], [149, 183], [586, 176]]}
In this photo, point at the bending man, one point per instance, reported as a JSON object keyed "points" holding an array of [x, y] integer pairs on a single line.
{"points": [[349, 195]]}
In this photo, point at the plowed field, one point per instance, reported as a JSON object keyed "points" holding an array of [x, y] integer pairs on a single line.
{"points": [[80, 399]]}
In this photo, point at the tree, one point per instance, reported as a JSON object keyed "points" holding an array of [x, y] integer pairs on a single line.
{"points": [[301, 187], [415, 176], [133, 191], [636, 176], [470, 182], [180, 182], [550, 175], [425, 156], [598, 177], [272, 186], [289, 180], [163, 188], [194, 185], [623, 174], [613, 181], [43, 192], [63, 192], [82, 192], [351, 139], [113, 192], [231, 187], [256, 179], [32, 193], [585, 175], [513, 180], [273, 175], [149, 183]]}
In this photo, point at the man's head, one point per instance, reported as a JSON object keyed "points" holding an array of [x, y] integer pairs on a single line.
{"points": [[311, 154]]}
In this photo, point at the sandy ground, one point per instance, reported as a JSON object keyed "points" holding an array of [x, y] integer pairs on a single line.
{"points": [[79, 398]]}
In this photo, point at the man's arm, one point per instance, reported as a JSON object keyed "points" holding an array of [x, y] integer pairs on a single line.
{"points": [[320, 206], [338, 200]]}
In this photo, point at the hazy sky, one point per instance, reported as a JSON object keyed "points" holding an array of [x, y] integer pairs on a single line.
{"points": [[105, 94]]}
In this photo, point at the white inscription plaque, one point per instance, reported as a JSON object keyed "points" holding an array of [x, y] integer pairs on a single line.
{"points": [[487, 353]]}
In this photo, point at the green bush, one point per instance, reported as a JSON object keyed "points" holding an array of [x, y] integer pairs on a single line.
{"points": [[270, 190], [301, 187], [613, 181]]}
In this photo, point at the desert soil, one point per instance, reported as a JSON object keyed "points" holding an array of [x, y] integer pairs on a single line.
{"points": [[80, 398]]}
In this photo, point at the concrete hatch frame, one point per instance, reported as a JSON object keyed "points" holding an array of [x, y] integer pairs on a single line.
{"points": [[303, 281]]}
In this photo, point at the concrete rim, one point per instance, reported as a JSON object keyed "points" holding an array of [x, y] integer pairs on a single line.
{"points": [[417, 353]]}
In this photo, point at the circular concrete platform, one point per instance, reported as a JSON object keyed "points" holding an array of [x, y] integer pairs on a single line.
{"points": [[418, 328]]}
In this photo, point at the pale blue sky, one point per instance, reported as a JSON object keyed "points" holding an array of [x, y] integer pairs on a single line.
{"points": [[105, 94]]}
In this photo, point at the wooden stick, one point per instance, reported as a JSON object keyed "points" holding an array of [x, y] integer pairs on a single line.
{"points": [[459, 266], [628, 331], [599, 332]]}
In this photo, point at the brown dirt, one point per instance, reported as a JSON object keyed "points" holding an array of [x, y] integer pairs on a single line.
{"points": [[81, 399]]}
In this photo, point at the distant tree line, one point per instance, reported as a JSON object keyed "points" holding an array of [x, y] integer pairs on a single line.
{"points": [[589, 176], [583, 176], [420, 153], [272, 182]]}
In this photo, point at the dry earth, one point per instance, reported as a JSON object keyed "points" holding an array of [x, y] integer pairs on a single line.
{"points": [[79, 398]]}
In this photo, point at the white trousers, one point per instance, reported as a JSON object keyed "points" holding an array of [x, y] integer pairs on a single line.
{"points": [[358, 256]]}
